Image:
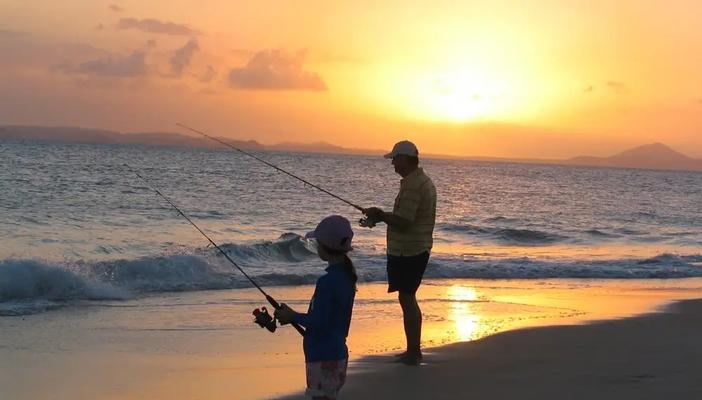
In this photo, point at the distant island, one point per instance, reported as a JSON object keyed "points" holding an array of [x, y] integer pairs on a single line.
{"points": [[651, 156], [100, 136]]}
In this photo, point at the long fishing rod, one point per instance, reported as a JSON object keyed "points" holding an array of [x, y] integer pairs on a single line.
{"points": [[359, 208], [270, 299]]}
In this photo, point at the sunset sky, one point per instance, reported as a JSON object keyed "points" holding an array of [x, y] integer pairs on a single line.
{"points": [[538, 79]]}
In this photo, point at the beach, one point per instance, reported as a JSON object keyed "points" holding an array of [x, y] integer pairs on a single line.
{"points": [[168, 169], [652, 356], [106, 292], [203, 345]]}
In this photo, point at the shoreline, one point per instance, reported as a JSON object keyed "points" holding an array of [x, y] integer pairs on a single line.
{"points": [[646, 356], [187, 345]]}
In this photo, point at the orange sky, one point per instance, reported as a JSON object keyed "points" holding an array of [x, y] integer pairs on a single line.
{"points": [[544, 78]]}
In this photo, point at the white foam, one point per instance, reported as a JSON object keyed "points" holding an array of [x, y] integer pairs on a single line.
{"points": [[31, 286], [31, 279]]}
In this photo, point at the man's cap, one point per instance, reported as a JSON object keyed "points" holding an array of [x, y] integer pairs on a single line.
{"points": [[404, 147], [334, 232]]}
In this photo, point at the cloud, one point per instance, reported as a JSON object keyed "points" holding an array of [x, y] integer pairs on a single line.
{"points": [[181, 58], [617, 87], [111, 66], [276, 70], [151, 25], [115, 8], [209, 74]]}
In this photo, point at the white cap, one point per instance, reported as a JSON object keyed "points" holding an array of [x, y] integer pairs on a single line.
{"points": [[404, 147]]}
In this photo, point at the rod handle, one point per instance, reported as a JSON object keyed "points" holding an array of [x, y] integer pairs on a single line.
{"points": [[276, 305]]}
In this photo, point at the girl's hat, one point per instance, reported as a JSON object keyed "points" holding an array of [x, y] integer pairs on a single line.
{"points": [[334, 232]]}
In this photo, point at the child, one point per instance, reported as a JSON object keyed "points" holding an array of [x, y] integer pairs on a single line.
{"points": [[329, 315]]}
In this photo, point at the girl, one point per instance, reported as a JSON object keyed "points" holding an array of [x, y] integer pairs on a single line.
{"points": [[329, 315]]}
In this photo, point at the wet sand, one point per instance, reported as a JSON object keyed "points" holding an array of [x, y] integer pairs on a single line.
{"points": [[203, 345], [652, 356]]}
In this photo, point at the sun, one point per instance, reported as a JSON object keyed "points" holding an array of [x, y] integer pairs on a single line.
{"points": [[457, 84], [457, 94], [461, 96]]}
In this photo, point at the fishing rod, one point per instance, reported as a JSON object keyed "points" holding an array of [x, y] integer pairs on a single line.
{"points": [[359, 208], [262, 316]]}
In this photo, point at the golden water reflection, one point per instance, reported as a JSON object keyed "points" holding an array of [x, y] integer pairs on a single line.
{"points": [[465, 319]]}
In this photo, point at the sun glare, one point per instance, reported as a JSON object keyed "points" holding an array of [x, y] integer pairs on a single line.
{"points": [[462, 293], [462, 96], [466, 321]]}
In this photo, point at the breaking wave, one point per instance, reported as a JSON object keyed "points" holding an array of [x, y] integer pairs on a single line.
{"points": [[28, 286], [509, 235], [289, 247]]}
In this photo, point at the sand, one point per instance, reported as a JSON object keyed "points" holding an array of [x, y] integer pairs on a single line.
{"points": [[653, 356], [203, 345]]}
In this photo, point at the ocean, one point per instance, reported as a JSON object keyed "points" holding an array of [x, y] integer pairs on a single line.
{"points": [[78, 226]]}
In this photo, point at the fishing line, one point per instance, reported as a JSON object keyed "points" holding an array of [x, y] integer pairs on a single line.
{"points": [[359, 208], [270, 299]]}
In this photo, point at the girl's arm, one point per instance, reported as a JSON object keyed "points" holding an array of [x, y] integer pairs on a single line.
{"points": [[320, 312]]}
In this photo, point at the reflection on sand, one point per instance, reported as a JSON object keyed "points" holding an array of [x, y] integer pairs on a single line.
{"points": [[466, 310], [204, 345], [460, 312]]}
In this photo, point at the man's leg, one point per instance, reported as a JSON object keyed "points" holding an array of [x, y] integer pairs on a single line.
{"points": [[412, 317]]}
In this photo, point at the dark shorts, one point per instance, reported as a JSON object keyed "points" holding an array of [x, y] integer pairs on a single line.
{"points": [[405, 273]]}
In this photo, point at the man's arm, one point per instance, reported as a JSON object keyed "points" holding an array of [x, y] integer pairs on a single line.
{"points": [[403, 217], [396, 221]]}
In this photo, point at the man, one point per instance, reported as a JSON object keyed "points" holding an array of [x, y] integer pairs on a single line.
{"points": [[409, 240]]}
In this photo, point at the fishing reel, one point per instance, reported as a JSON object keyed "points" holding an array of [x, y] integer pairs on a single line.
{"points": [[264, 320], [366, 222]]}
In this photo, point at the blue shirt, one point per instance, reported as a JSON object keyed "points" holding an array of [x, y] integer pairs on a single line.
{"points": [[329, 316]]}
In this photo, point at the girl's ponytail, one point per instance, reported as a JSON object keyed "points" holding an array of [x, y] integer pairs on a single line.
{"points": [[350, 270]]}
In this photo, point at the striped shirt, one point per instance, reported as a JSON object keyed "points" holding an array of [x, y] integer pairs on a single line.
{"points": [[416, 202]]}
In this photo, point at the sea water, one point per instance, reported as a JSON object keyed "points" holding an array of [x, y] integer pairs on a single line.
{"points": [[76, 224]]}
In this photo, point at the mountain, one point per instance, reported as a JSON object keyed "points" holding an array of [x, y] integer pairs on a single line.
{"points": [[650, 156], [82, 135], [100, 136]]}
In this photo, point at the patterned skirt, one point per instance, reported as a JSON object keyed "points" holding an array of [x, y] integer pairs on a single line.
{"points": [[325, 378]]}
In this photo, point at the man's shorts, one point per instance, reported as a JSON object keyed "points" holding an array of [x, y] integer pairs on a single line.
{"points": [[405, 273], [325, 378]]}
